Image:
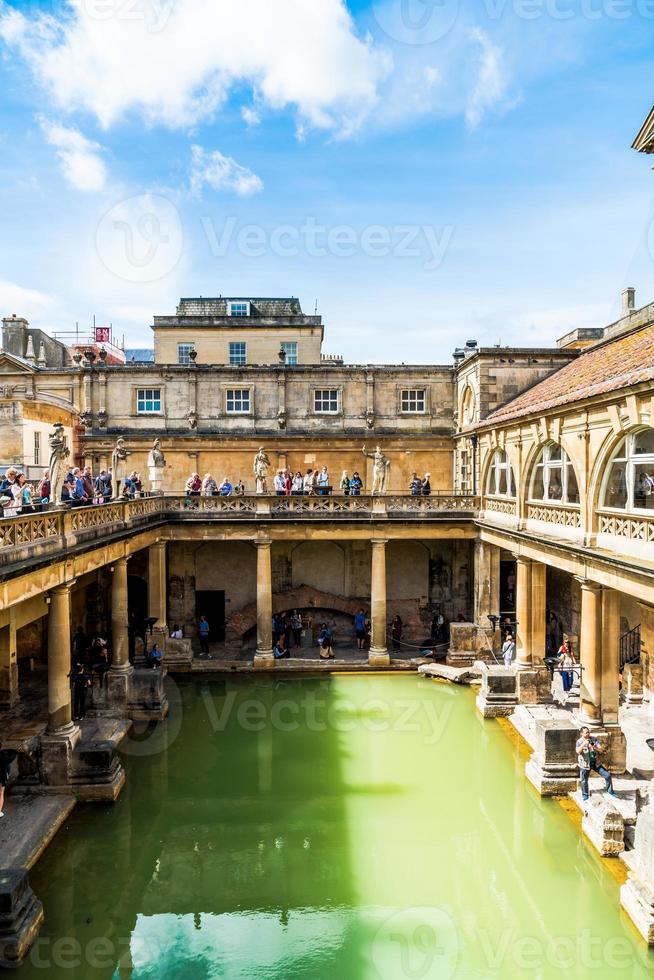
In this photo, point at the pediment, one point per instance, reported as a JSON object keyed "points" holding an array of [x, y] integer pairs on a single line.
{"points": [[10, 364]]}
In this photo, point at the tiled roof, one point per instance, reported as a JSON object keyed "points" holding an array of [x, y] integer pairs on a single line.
{"points": [[645, 139], [619, 363], [259, 305]]}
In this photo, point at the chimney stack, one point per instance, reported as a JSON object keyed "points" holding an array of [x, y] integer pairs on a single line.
{"points": [[628, 300]]}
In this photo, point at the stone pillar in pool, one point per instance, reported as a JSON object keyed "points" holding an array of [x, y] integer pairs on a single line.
{"points": [[119, 678], [533, 679], [378, 655], [263, 657], [157, 599], [600, 663], [523, 612], [487, 582], [8, 662], [62, 735]]}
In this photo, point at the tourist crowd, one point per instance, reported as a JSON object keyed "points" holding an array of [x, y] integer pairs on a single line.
{"points": [[285, 483], [18, 495]]}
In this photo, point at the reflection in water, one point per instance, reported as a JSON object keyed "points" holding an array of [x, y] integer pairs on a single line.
{"points": [[354, 827]]}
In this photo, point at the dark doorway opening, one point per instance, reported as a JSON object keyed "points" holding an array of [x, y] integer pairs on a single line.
{"points": [[137, 598], [211, 603], [507, 588]]}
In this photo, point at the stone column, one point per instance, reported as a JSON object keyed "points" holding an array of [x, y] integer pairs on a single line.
{"points": [[119, 617], [610, 679], [523, 612], [591, 652], [263, 657], [59, 663], [537, 606], [8, 663], [647, 651], [378, 655], [157, 582], [487, 582]]}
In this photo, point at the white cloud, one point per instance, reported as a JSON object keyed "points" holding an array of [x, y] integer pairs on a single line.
{"points": [[23, 301], [80, 163], [111, 57], [490, 88], [221, 173], [250, 116]]}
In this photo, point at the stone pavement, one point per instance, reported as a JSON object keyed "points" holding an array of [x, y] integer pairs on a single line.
{"points": [[30, 822]]}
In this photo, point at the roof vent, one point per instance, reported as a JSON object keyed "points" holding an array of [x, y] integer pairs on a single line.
{"points": [[628, 300]]}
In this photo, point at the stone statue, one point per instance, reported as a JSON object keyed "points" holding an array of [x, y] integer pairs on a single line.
{"points": [[118, 466], [192, 418], [261, 464], [59, 453], [381, 466], [156, 457]]}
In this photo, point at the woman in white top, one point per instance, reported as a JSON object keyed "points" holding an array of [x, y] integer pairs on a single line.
{"points": [[280, 484], [508, 649], [209, 485], [323, 481], [297, 486]]}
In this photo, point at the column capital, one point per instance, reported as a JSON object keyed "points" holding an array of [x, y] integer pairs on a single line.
{"points": [[63, 589], [379, 541], [262, 542], [120, 561], [587, 583], [523, 560]]}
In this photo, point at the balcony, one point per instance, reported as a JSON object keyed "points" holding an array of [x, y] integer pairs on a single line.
{"points": [[31, 539]]}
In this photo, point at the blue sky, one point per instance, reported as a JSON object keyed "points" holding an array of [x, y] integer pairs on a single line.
{"points": [[427, 171]]}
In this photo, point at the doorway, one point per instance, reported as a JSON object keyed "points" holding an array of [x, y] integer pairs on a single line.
{"points": [[211, 603]]}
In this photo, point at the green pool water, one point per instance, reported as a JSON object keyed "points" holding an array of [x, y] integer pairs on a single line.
{"points": [[350, 828]]}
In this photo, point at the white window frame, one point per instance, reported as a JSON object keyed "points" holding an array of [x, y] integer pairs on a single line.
{"points": [[143, 398], [564, 465], [243, 307], [184, 359], [407, 395], [318, 398], [37, 447], [499, 463], [239, 362], [292, 359], [240, 395], [625, 452]]}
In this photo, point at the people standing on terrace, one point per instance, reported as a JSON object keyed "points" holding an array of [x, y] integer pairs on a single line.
{"points": [[323, 482], [193, 485], [344, 485], [308, 481], [209, 486], [426, 485], [44, 489], [102, 487], [239, 489], [225, 489], [297, 485], [415, 486], [279, 484], [356, 485]]}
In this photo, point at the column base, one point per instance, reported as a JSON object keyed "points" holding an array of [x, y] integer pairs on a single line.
{"points": [[497, 697], [604, 826], [264, 660], [533, 685], [97, 775], [552, 769], [56, 757], [148, 699], [20, 919], [379, 658], [118, 681]]}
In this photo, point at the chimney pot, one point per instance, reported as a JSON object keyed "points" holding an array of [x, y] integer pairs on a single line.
{"points": [[628, 300]]}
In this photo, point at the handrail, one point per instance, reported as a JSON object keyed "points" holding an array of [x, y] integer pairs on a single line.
{"points": [[630, 644]]}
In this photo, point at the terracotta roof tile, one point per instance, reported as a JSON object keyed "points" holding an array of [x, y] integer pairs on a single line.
{"points": [[620, 363]]}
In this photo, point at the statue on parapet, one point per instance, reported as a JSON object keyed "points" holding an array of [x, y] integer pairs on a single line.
{"points": [[156, 457], [380, 467], [260, 468], [118, 466], [59, 453]]}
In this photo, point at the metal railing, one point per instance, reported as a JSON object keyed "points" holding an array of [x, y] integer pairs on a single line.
{"points": [[630, 643]]}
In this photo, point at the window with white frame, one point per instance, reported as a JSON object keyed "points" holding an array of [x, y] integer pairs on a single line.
{"points": [[500, 482], [553, 477], [325, 401], [290, 349], [148, 400], [240, 308], [237, 352], [238, 401], [629, 480], [37, 448], [184, 353], [413, 401]]}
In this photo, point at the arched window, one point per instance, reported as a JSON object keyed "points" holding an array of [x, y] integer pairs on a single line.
{"points": [[468, 406], [500, 482], [629, 482], [553, 477]]}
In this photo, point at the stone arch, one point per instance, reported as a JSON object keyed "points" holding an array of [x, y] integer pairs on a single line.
{"points": [[319, 565], [603, 461], [468, 406], [244, 620], [532, 461]]}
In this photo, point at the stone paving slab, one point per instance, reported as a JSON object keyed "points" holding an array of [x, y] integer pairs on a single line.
{"points": [[458, 675], [30, 822]]}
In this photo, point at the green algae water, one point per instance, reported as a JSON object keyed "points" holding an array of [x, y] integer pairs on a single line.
{"points": [[354, 827]]}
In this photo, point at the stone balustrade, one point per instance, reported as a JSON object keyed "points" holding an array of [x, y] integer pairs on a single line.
{"points": [[31, 537]]}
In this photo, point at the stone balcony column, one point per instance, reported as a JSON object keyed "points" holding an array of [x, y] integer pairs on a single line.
{"points": [[537, 608], [8, 663], [378, 655], [647, 652], [591, 652], [157, 585], [60, 718], [263, 656], [610, 677], [523, 612], [119, 617], [487, 582]]}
